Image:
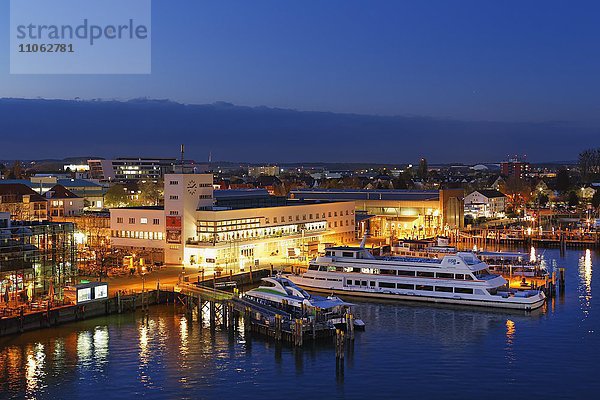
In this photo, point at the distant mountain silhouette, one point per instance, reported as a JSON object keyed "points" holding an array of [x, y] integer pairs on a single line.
{"points": [[59, 128]]}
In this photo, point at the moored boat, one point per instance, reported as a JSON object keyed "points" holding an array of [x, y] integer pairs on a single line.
{"points": [[282, 294], [526, 269], [459, 278]]}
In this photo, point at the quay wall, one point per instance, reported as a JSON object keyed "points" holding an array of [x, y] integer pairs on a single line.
{"points": [[72, 313], [119, 303]]}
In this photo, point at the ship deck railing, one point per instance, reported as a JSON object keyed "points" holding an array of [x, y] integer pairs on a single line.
{"points": [[411, 259]]}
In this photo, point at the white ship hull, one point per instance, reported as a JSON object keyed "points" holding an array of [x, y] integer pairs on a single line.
{"points": [[527, 304], [459, 278]]}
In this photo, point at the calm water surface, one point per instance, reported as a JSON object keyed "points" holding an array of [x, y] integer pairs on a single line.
{"points": [[407, 351]]}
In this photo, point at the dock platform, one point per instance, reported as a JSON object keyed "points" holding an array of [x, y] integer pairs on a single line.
{"points": [[227, 309]]}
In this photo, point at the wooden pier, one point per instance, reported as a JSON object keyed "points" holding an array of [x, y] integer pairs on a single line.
{"points": [[227, 310], [487, 238]]}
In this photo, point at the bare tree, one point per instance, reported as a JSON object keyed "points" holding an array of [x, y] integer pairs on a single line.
{"points": [[589, 164]]}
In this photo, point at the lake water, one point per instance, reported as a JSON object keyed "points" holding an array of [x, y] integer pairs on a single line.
{"points": [[407, 351]]}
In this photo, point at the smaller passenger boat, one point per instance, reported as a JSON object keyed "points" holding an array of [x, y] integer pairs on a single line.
{"points": [[282, 294]]}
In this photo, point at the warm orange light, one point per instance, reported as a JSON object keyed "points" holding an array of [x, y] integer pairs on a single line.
{"points": [[510, 330]]}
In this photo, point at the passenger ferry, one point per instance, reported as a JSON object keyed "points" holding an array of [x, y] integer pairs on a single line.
{"points": [[281, 293], [459, 278]]}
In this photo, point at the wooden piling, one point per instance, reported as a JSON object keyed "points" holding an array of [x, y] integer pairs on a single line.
{"points": [[212, 316], [278, 327], [224, 317], [199, 309], [350, 326], [339, 345], [247, 322], [231, 315], [298, 332]]}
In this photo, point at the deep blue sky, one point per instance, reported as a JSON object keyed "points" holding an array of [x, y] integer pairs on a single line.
{"points": [[512, 61]]}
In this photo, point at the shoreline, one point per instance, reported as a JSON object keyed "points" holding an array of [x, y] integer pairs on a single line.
{"points": [[122, 301]]}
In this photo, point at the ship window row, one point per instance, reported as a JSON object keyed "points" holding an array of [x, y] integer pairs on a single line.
{"points": [[376, 271], [426, 288]]}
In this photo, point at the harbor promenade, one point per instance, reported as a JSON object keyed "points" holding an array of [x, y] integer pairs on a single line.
{"points": [[126, 294]]}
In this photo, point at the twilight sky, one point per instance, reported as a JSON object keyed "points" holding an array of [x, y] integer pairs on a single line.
{"points": [[507, 61]]}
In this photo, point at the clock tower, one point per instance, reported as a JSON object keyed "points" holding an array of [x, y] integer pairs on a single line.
{"points": [[184, 195]]}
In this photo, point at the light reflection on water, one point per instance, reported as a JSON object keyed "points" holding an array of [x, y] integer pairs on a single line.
{"points": [[585, 285], [419, 351], [510, 331], [84, 348], [101, 345], [183, 346], [34, 369], [510, 337]]}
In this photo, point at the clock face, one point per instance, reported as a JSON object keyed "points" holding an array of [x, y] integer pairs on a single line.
{"points": [[192, 187]]}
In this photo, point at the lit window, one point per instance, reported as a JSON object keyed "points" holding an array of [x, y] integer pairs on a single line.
{"points": [[143, 220]]}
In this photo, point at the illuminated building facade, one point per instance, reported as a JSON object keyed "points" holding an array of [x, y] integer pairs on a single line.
{"points": [[514, 167], [238, 229], [23, 203], [398, 213], [63, 203], [485, 203], [138, 169], [33, 256], [140, 231], [267, 170]]}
